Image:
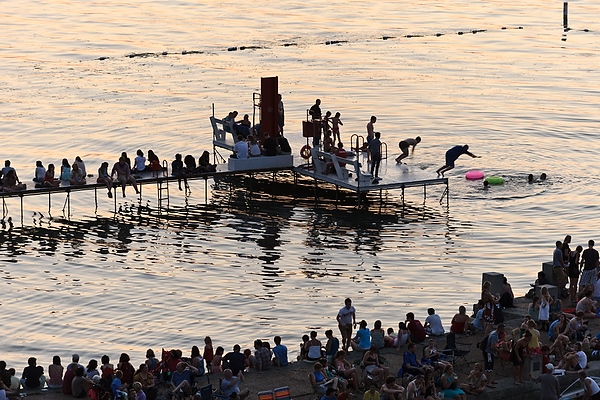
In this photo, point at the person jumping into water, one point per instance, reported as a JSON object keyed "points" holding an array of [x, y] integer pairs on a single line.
{"points": [[405, 144], [452, 155]]}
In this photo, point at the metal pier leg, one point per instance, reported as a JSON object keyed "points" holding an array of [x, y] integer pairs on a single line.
{"points": [[424, 192], [96, 199], [49, 203], [67, 205], [447, 195], [21, 196], [4, 208], [205, 190], [402, 195]]}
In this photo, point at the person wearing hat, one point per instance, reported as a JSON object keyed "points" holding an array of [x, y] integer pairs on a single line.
{"points": [[550, 389]]}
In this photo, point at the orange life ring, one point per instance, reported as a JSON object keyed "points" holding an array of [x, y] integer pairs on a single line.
{"points": [[305, 152]]}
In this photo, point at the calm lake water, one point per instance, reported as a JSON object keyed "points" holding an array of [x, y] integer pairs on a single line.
{"points": [[97, 78]]}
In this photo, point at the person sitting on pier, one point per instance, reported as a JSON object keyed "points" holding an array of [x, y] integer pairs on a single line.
{"points": [[204, 164], [81, 165], [410, 364], [461, 323], [254, 147], [126, 158], [574, 360], [139, 163], [328, 146], [403, 336], [123, 172], [178, 171], [587, 305], [104, 177], [31, 375], [284, 145], [40, 172], [246, 121], [433, 323], [65, 170], [229, 122], [313, 347], [154, 161], [11, 182], [417, 332], [190, 165], [243, 127], [270, 147], [240, 149], [261, 359], [182, 378], [5, 170], [49, 180], [77, 177]]}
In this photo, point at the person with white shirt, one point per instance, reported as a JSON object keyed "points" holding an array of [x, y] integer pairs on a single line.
{"points": [[240, 149], [590, 387], [433, 323]]}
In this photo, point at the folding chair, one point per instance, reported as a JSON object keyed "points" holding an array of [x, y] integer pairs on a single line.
{"points": [[265, 395], [282, 393], [454, 352]]}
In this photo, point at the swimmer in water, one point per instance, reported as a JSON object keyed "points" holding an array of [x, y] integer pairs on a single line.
{"points": [[530, 178], [543, 176], [486, 185]]}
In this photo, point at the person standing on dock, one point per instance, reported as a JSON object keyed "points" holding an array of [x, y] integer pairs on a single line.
{"points": [[404, 145], [335, 126], [316, 114], [123, 172], [452, 155], [375, 150], [370, 133]]}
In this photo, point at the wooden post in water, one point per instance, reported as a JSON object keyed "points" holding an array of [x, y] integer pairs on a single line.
{"points": [[566, 14]]}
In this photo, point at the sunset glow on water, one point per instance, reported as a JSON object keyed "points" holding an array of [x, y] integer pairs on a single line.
{"points": [[97, 78]]}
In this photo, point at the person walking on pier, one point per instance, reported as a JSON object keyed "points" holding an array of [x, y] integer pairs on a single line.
{"points": [[123, 172]]}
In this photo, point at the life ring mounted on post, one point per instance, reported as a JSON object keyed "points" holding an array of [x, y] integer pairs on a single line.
{"points": [[305, 152]]}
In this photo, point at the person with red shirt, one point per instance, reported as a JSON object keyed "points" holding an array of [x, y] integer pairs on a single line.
{"points": [[417, 332]]}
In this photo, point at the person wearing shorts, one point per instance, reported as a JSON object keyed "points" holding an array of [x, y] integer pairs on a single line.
{"points": [[346, 317], [405, 144], [491, 352], [370, 133]]}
